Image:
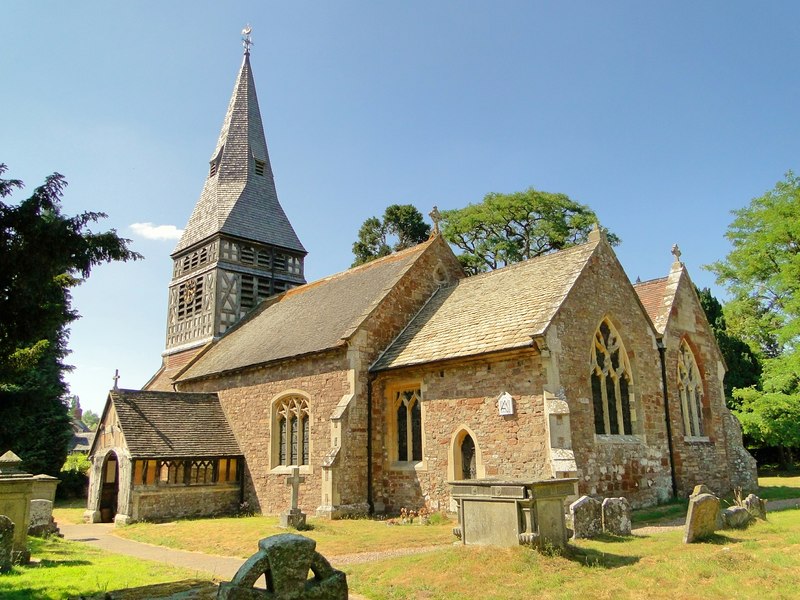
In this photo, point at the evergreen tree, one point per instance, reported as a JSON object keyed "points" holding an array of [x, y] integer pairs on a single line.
{"points": [[402, 224], [43, 255]]}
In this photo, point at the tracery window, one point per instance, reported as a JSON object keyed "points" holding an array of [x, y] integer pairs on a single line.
{"points": [[409, 424], [690, 388], [612, 393], [292, 425], [171, 472]]}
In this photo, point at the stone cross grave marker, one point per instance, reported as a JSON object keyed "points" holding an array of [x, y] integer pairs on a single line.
{"points": [[294, 517]]}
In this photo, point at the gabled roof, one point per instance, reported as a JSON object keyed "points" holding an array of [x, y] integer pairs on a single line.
{"points": [[236, 201], [656, 301], [173, 424], [495, 311], [311, 318]]}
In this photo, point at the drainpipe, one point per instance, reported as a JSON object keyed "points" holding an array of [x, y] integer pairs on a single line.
{"points": [[370, 502], [662, 353]]}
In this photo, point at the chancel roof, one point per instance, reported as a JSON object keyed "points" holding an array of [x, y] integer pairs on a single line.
{"points": [[656, 301], [311, 318], [235, 200], [495, 311], [173, 424]]}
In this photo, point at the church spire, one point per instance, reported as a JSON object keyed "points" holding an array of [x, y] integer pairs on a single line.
{"points": [[238, 246], [239, 196]]}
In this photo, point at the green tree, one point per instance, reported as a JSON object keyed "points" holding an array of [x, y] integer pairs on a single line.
{"points": [[402, 226], [90, 419], [744, 367], [43, 255], [508, 228], [762, 274]]}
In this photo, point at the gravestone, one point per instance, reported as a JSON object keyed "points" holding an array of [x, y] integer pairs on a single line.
{"points": [[293, 517], [42, 523], [736, 517], [756, 506], [587, 517], [16, 490], [285, 560], [616, 516], [701, 520], [700, 489], [6, 544]]}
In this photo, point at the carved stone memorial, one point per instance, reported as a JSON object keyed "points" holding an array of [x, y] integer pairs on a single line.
{"points": [[756, 506], [587, 517], [736, 517], [6, 544], [617, 516], [701, 520], [285, 561], [294, 517]]}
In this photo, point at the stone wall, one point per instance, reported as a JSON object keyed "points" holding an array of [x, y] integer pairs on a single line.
{"points": [[718, 458], [160, 503], [462, 396], [634, 466]]}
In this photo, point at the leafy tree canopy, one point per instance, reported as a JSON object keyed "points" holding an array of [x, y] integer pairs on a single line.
{"points": [[508, 228], [744, 367], [43, 255], [402, 226]]}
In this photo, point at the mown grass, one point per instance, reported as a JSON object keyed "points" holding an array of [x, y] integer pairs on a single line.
{"points": [[238, 536], [64, 569], [761, 562], [779, 487]]}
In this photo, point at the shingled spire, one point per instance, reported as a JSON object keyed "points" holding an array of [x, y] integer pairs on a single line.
{"points": [[238, 246]]}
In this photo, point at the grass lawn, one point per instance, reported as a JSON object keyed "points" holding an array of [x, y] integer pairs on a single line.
{"points": [[238, 536], [69, 569], [779, 487], [761, 562]]}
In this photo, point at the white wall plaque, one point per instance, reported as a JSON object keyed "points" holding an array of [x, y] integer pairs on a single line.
{"points": [[505, 404]]}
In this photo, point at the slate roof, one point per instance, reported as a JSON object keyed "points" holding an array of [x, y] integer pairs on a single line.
{"points": [[306, 319], [653, 295], [173, 424], [495, 311], [235, 200]]}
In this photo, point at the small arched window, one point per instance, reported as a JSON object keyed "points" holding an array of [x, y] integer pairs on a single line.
{"points": [[409, 425], [612, 384], [690, 388], [292, 431]]}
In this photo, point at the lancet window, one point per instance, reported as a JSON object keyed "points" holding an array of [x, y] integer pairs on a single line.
{"points": [[292, 424], [690, 389], [409, 424], [612, 383]]}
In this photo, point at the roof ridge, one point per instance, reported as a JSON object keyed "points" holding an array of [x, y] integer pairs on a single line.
{"points": [[649, 281]]}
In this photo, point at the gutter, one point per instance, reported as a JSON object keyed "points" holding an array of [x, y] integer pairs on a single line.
{"points": [[662, 352]]}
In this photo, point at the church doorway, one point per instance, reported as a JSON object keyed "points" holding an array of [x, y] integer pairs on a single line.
{"points": [[109, 489], [468, 464]]}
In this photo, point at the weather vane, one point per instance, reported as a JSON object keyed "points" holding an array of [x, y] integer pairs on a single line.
{"points": [[246, 39]]}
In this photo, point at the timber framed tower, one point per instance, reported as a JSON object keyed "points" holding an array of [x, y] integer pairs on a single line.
{"points": [[238, 246]]}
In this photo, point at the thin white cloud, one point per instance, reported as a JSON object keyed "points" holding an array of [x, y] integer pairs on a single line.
{"points": [[157, 232]]}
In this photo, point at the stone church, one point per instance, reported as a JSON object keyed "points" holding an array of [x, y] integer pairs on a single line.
{"points": [[386, 381]]}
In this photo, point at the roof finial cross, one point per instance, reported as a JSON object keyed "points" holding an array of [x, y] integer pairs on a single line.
{"points": [[435, 216], [246, 39], [116, 379], [676, 252]]}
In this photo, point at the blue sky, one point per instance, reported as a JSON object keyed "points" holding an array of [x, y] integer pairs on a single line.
{"points": [[663, 117]]}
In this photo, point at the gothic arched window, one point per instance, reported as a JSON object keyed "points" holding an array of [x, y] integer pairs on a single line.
{"points": [[409, 425], [690, 389], [292, 431], [612, 383]]}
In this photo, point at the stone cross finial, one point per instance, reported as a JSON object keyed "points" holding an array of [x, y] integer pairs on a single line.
{"points": [[676, 252], [247, 41], [295, 480], [435, 216], [116, 379]]}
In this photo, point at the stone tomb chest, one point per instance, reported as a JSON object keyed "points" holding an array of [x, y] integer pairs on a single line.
{"points": [[508, 513]]}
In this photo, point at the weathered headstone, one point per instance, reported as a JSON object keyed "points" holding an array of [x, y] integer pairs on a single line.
{"points": [[700, 489], [6, 544], [736, 517], [42, 523], [293, 517], [701, 520], [756, 506], [616, 516], [587, 517], [285, 561]]}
